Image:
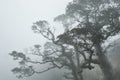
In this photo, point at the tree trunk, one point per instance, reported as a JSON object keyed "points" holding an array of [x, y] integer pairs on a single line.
{"points": [[74, 72], [79, 70], [104, 63]]}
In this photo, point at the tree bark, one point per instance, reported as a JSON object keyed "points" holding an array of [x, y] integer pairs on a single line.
{"points": [[73, 67], [79, 70], [105, 65]]}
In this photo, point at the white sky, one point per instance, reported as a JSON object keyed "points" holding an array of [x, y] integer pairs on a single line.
{"points": [[16, 18]]}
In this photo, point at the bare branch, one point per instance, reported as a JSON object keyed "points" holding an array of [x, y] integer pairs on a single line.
{"points": [[44, 70], [83, 54], [57, 65], [36, 62], [117, 29], [54, 52], [68, 77], [53, 36]]}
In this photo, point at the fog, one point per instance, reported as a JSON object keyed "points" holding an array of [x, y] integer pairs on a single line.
{"points": [[16, 18]]}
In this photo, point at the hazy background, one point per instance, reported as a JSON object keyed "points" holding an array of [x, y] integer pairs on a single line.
{"points": [[16, 18]]}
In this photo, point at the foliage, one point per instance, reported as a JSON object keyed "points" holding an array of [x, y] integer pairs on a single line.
{"points": [[88, 24]]}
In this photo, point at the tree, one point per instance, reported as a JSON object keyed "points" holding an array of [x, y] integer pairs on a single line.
{"points": [[55, 54], [88, 24], [96, 21]]}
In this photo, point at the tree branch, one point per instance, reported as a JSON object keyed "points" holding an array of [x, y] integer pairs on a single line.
{"points": [[44, 70], [36, 62]]}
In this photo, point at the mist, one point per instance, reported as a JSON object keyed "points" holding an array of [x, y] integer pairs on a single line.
{"points": [[16, 18]]}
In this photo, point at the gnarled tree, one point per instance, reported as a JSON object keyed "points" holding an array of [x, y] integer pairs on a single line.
{"points": [[88, 24], [95, 21], [56, 54]]}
